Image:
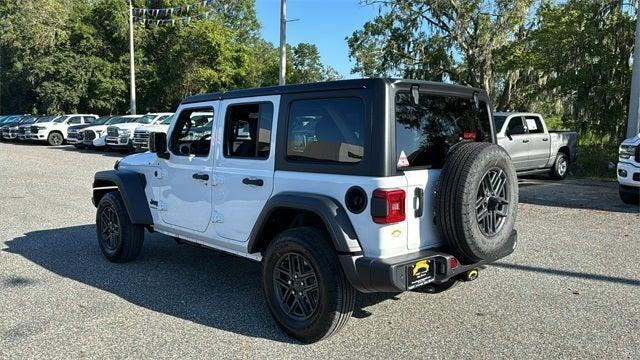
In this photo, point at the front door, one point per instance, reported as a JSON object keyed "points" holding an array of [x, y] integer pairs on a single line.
{"points": [[540, 143], [516, 142], [184, 180], [244, 164]]}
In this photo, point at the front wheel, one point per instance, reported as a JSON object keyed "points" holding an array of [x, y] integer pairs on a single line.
{"points": [[119, 239], [55, 139], [560, 167], [308, 294], [629, 195]]}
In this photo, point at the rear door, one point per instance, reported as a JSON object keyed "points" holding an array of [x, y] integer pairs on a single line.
{"points": [[424, 134], [244, 164], [540, 142], [517, 143]]}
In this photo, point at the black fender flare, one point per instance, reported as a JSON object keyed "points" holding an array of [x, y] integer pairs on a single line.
{"points": [[332, 213], [131, 186]]}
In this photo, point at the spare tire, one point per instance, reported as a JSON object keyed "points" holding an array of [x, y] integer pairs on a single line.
{"points": [[477, 201]]}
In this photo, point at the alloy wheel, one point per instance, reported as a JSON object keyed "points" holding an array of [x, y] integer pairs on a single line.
{"points": [[296, 286], [110, 228], [492, 202]]}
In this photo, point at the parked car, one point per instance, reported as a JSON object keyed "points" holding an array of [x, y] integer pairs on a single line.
{"points": [[8, 122], [25, 128], [532, 147], [75, 133], [10, 131], [345, 205], [629, 170], [55, 132], [120, 136], [95, 136]]}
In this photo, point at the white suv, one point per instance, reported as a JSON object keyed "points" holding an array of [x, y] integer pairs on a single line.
{"points": [[629, 170], [374, 185], [121, 135], [55, 132]]}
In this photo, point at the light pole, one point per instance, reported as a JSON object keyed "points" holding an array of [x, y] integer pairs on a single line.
{"points": [[132, 62], [283, 42], [633, 125]]}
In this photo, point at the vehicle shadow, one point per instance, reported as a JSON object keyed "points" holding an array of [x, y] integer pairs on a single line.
{"points": [[574, 193], [203, 286]]}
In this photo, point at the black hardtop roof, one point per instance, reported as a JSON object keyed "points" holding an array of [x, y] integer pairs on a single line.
{"points": [[350, 84]]}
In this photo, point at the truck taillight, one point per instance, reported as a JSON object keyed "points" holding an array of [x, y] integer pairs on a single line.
{"points": [[387, 206]]}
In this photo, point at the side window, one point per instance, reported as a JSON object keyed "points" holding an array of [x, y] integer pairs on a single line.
{"points": [[247, 130], [192, 134], [88, 119], [74, 120], [329, 130], [534, 125], [516, 127]]}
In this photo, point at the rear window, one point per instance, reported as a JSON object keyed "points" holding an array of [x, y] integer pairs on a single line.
{"points": [[425, 132], [326, 130]]}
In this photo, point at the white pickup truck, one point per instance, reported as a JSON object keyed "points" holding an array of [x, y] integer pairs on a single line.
{"points": [[532, 146], [629, 170]]}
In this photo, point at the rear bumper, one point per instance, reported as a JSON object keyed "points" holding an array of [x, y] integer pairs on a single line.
{"points": [[390, 274]]}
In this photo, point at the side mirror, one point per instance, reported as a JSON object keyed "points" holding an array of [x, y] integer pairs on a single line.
{"points": [[158, 144]]}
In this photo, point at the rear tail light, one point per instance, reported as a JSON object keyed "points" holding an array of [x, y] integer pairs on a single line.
{"points": [[453, 263], [387, 206]]}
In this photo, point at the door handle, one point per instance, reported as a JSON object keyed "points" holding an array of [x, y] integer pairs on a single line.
{"points": [[418, 199], [202, 177], [525, 141], [254, 182], [545, 139]]}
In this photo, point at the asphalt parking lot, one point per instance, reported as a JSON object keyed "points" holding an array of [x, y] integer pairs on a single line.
{"points": [[571, 289]]}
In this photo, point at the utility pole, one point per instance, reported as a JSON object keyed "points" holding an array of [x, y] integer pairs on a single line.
{"points": [[633, 125], [132, 61], [283, 42]]}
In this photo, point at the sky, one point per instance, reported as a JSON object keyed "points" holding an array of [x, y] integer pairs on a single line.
{"points": [[325, 23]]}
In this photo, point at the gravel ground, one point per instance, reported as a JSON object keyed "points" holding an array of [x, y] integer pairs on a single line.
{"points": [[571, 289]]}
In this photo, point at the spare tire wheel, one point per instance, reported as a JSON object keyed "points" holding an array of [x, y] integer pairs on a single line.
{"points": [[477, 201]]}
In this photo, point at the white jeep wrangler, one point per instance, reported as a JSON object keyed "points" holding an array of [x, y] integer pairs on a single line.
{"points": [[372, 185]]}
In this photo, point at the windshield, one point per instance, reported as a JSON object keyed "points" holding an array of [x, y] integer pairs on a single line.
{"points": [[167, 121], [43, 119], [499, 121], [425, 132], [133, 120], [116, 120], [28, 120], [61, 119], [147, 119], [101, 120]]}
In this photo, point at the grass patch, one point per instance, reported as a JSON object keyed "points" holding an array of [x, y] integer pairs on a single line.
{"points": [[594, 161]]}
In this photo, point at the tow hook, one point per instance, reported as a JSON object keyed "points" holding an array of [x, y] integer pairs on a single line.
{"points": [[471, 275]]}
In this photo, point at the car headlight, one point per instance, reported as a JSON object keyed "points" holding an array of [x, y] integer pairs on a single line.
{"points": [[125, 131], [42, 128], [627, 151]]}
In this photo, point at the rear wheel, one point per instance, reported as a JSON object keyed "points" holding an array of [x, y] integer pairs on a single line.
{"points": [[55, 139], [119, 239], [560, 167], [476, 201], [308, 294]]}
